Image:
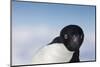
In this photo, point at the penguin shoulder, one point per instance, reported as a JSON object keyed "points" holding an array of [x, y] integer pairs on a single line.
{"points": [[54, 53]]}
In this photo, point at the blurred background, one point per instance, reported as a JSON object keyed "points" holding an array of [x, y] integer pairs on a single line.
{"points": [[34, 25]]}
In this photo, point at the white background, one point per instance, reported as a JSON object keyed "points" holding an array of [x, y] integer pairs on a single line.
{"points": [[5, 33]]}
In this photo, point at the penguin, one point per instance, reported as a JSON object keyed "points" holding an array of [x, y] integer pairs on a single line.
{"points": [[64, 48]]}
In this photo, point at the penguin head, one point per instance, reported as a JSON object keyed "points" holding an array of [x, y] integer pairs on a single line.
{"points": [[72, 37]]}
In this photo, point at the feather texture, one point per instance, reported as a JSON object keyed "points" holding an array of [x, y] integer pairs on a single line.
{"points": [[54, 53]]}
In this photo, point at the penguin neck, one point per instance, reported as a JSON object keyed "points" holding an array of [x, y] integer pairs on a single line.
{"points": [[62, 46], [62, 50], [75, 57]]}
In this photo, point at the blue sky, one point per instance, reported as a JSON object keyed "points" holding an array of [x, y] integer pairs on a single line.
{"points": [[36, 24]]}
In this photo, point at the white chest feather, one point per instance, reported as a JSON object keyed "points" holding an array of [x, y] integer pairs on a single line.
{"points": [[54, 53]]}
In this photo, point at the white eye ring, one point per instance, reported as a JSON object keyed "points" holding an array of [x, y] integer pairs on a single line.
{"points": [[81, 36], [75, 38], [66, 36]]}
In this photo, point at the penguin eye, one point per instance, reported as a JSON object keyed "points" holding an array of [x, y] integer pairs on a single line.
{"points": [[75, 38], [65, 36], [81, 36]]}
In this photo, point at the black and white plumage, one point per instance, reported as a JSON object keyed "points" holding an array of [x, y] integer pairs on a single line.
{"points": [[64, 48]]}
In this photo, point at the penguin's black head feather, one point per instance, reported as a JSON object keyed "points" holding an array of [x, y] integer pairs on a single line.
{"points": [[72, 37], [56, 40]]}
